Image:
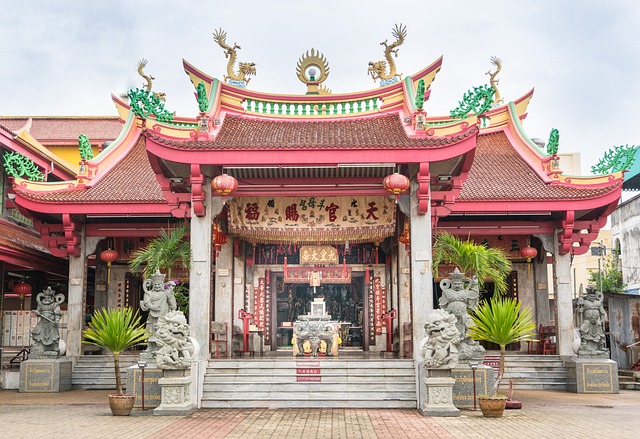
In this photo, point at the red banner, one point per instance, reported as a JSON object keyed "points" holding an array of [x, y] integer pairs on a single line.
{"points": [[380, 303], [259, 304]]}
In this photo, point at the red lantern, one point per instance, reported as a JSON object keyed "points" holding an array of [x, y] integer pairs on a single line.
{"points": [[109, 256], [529, 253], [22, 289], [224, 185], [396, 184]]}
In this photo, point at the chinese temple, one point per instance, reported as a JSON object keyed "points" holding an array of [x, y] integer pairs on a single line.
{"points": [[293, 200]]}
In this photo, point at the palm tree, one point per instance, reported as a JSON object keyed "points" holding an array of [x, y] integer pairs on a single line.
{"points": [[163, 252], [501, 321], [116, 330], [485, 263]]}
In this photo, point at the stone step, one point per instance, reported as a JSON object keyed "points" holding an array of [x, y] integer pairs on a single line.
{"points": [[629, 385], [96, 372], [343, 383]]}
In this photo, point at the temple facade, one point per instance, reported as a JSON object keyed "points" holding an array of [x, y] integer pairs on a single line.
{"points": [[293, 200]]}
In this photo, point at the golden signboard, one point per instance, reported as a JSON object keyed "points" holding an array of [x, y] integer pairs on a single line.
{"points": [[318, 254]]}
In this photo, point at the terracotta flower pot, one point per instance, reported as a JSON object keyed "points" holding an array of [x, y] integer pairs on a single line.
{"points": [[492, 407], [121, 405]]}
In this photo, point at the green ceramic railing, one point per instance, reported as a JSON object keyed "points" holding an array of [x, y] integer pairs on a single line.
{"points": [[311, 108]]}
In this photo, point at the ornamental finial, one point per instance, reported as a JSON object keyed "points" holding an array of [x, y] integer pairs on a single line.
{"points": [[497, 100], [238, 79], [378, 70], [313, 69]]}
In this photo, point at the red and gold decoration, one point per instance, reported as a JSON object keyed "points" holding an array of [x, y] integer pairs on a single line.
{"points": [[224, 185], [380, 303], [219, 238], [318, 254], [109, 256], [312, 220], [396, 184], [326, 275], [405, 236]]}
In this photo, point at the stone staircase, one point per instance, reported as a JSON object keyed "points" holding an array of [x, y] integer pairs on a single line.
{"points": [[535, 372], [629, 379], [310, 383], [96, 371]]}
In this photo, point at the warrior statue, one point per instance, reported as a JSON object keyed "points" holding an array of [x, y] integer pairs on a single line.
{"points": [[45, 337], [459, 295], [592, 317], [158, 300], [440, 347]]}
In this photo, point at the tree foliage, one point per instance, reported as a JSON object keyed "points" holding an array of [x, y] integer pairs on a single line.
{"points": [[611, 277], [469, 257], [163, 252]]}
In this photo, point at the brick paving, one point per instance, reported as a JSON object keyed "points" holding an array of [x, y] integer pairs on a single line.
{"points": [[546, 414]]}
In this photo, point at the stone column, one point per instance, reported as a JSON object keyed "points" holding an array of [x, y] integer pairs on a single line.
{"points": [[421, 276], [543, 313], [76, 300], [564, 321], [223, 305]]}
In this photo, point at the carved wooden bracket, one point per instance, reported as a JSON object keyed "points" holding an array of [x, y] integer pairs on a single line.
{"points": [[197, 192], [423, 188], [565, 234], [62, 239]]}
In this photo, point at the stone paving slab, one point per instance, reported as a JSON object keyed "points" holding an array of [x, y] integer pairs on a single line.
{"points": [[546, 414]]}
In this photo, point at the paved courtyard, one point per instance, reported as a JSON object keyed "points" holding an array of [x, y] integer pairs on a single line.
{"points": [[546, 414]]}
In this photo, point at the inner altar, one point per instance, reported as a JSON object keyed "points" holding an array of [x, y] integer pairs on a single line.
{"points": [[315, 333]]}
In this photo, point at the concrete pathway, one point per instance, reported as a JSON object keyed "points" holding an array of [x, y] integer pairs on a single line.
{"points": [[85, 414]]}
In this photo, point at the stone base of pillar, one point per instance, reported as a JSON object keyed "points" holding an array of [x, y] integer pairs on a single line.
{"points": [[176, 394], [592, 375], [45, 375], [439, 394]]}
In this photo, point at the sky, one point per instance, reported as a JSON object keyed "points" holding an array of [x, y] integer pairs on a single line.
{"points": [[65, 58]]}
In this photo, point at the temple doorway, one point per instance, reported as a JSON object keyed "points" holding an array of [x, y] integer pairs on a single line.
{"points": [[343, 302]]}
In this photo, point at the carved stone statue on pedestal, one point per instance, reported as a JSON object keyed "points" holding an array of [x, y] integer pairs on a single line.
{"points": [[459, 295], [440, 346], [592, 316], [175, 348], [158, 300], [439, 349], [45, 336]]}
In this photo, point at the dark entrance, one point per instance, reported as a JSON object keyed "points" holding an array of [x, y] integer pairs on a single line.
{"points": [[345, 303]]}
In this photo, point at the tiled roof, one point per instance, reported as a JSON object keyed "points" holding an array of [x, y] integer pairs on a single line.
{"points": [[384, 131], [499, 173], [66, 128], [130, 181], [16, 238]]}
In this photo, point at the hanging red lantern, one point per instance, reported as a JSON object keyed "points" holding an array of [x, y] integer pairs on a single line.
{"points": [[224, 185], [109, 256], [22, 289], [529, 253], [396, 184]]}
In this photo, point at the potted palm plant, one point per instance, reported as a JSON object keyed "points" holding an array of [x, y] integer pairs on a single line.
{"points": [[501, 321], [116, 330]]}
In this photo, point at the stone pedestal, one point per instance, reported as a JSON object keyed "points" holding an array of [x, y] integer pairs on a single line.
{"points": [[45, 375], [463, 388], [151, 386], [592, 375], [439, 394], [176, 394]]}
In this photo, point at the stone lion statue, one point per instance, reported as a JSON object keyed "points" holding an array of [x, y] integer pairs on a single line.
{"points": [[175, 346], [439, 348]]}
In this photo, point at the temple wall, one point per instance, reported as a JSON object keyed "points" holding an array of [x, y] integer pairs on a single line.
{"points": [[625, 228]]}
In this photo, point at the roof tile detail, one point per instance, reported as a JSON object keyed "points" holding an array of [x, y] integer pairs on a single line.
{"points": [[47, 129], [18, 239], [384, 131], [130, 181], [499, 173]]}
